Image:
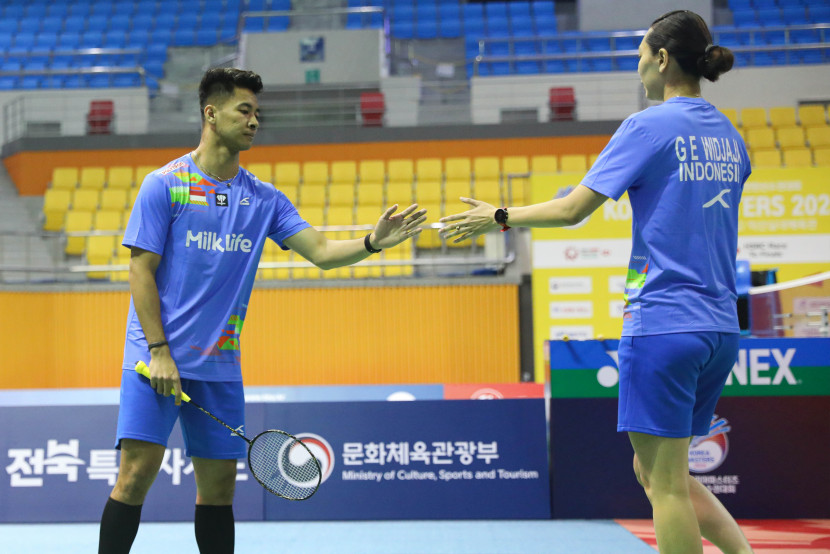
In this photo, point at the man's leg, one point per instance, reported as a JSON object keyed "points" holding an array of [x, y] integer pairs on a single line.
{"points": [[140, 463], [662, 466], [215, 485]]}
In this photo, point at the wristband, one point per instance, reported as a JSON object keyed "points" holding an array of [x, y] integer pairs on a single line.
{"points": [[368, 245], [501, 218], [156, 344]]}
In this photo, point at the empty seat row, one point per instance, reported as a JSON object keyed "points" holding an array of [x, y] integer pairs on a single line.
{"points": [[787, 137], [806, 115], [791, 158]]}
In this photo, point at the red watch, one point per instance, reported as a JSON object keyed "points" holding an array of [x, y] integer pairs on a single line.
{"points": [[501, 218]]}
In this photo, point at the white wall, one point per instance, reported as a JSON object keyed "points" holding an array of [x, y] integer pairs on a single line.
{"points": [[602, 15], [69, 108], [616, 95], [351, 56]]}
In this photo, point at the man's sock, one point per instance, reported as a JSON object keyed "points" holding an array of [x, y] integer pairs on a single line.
{"points": [[119, 525], [214, 529]]}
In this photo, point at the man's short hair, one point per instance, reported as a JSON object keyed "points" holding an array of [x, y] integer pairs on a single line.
{"points": [[222, 81]]}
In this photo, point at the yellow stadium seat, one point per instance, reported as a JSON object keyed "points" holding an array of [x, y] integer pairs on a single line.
{"points": [[371, 171], [489, 190], [573, 163], [55, 204], [766, 158], [340, 215], [92, 178], [315, 173], [818, 137], [76, 221], [514, 187], [458, 169], [761, 138], [344, 173], [544, 164], [114, 199], [312, 195], [107, 220], [752, 118], [456, 189], [142, 171], [400, 171], [341, 194], [371, 194], [428, 169], [428, 192], [131, 196], [64, 177], [798, 157], [361, 271], [314, 215], [121, 257], [367, 215], [822, 156], [790, 137], [731, 114], [399, 253], [275, 254], [120, 177], [262, 171], [85, 199], [812, 115], [99, 251], [592, 159], [429, 238], [399, 193], [782, 116], [292, 192], [286, 173]]}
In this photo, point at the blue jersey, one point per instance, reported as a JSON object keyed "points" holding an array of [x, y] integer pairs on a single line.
{"points": [[684, 166], [210, 236]]}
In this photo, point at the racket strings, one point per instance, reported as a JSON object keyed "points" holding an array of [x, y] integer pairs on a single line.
{"points": [[284, 465]]}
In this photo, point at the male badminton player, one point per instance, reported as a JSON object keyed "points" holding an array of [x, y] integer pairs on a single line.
{"points": [[684, 166], [196, 234]]}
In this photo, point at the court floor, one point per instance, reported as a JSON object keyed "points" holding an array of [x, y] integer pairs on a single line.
{"points": [[415, 537]]}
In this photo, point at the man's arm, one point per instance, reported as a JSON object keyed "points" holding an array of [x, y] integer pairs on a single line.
{"points": [[163, 371], [390, 231]]}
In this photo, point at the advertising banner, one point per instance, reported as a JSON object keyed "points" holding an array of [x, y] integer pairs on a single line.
{"points": [[381, 460], [579, 271], [493, 391], [420, 460], [771, 418]]}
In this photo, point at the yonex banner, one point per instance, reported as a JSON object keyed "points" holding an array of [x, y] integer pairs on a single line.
{"points": [[381, 460], [771, 418]]}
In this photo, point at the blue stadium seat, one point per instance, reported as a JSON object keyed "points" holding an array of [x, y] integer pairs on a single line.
{"points": [[98, 80], [6, 40], [596, 44], [527, 67], [14, 11], [745, 17], [29, 25], [101, 9], [8, 83], [254, 25], [543, 7], [114, 39], [809, 57], [774, 37], [426, 29], [449, 16], [126, 80], [97, 23], [819, 14], [154, 68], [763, 4], [474, 26], [600, 64], [37, 11], [206, 37], [554, 66], [499, 68], [805, 36], [519, 9], [770, 16], [354, 21], [79, 9], [52, 24], [794, 15], [138, 38], [627, 43], [31, 82], [472, 10], [8, 27], [45, 41], [627, 63], [24, 39], [227, 32], [91, 39], [257, 5], [277, 24], [545, 24], [498, 28], [522, 26], [402, 13], [73, 81], [74, 24], [121, 23], [403, 29]]}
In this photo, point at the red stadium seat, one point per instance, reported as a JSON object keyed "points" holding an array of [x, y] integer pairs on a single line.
{"points": [[372, 108], [562, 104], [100, 117]]}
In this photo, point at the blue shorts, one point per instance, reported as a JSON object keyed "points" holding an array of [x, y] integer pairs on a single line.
{"points": [[148, 416], [669, 384]]}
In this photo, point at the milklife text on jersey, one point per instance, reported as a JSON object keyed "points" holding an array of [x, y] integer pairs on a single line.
{"points": [[208, 240], [708, 159]]}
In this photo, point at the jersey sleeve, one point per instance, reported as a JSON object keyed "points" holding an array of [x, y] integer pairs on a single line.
{"points": [[286, 221], [150, 218], [622, 161]]}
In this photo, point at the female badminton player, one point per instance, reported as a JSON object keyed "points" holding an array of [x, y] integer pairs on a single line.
{"points": [[683, 165]]}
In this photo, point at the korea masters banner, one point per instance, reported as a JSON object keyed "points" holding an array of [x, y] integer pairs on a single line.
{"points": [[579, 272]]}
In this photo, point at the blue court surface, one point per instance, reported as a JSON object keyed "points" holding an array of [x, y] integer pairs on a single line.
{"points": [[376, 537]]}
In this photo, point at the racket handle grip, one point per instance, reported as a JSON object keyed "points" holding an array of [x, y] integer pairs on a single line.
{"points": [[142, 369]]}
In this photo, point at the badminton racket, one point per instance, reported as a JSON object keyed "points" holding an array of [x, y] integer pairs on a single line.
{"points": [[279, 461]]}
